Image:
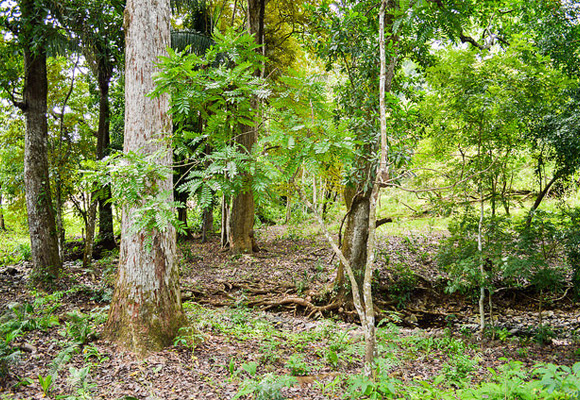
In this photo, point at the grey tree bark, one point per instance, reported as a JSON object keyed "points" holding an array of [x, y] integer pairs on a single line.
{"points": [[146, 311], [41, 223]]}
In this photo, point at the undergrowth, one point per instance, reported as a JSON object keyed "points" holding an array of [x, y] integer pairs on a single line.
{"points": [[328, 351]]}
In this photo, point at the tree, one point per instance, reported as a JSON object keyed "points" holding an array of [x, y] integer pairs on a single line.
{"points": [[99, 28], [241, 230], [28, 23], [146, 311], [353, 48], [194, 34], [218, 88]]}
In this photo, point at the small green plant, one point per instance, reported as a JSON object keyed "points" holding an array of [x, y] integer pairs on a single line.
{"points": [[330, 388], [250, 367], [560, 378], [297, 365], [92, 353], [269, 387], [22, 251], [62, 358], [269, 352], [510, 382], [543, 334], [300, 286], [404, 282], [18, 319], [231, 367], [523, 352], [383, 386], [79, 381], [466, 331], [8, 355], [45, 383], [188, 337], [79, 327], [458, 368], [501, 334]]}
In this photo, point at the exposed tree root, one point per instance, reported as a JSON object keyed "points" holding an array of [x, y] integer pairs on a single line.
{"points": [[267, 304]]}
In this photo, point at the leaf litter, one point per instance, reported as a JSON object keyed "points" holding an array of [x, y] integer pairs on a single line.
{"points": [[233, 344]]}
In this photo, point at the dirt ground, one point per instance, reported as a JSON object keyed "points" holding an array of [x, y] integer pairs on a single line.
{"points": [[261, 290]]}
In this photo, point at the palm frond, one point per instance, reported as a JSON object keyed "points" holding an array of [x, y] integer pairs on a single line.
{"points": [[198, 42]]}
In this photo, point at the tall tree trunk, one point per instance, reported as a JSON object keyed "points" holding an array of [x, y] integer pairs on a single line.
{"points": [[241, 232], [481, 262], [241, 239], [146, 311], [106, 234], [359, 199], [359, 244], [41, 224]]}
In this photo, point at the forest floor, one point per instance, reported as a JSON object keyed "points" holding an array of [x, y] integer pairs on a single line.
{"points": [[252, 329]]}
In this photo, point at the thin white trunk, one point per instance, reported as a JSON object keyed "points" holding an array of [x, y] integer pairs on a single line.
{"points": [[480, 250], [380, 180], [288, 208], [382, 168], [314, 197], [356, 297], [225, 223]]}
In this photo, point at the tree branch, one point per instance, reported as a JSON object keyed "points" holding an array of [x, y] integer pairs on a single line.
{"points": [[472, 41]]}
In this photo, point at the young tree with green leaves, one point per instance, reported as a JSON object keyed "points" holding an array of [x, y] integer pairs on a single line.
{"points": [[348, 41], [217, 87]]}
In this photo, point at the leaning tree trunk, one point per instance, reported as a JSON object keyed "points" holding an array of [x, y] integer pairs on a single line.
{"points": [[543, 193], [43, 236], [106, 235], [241, 235], [146, 311]]}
